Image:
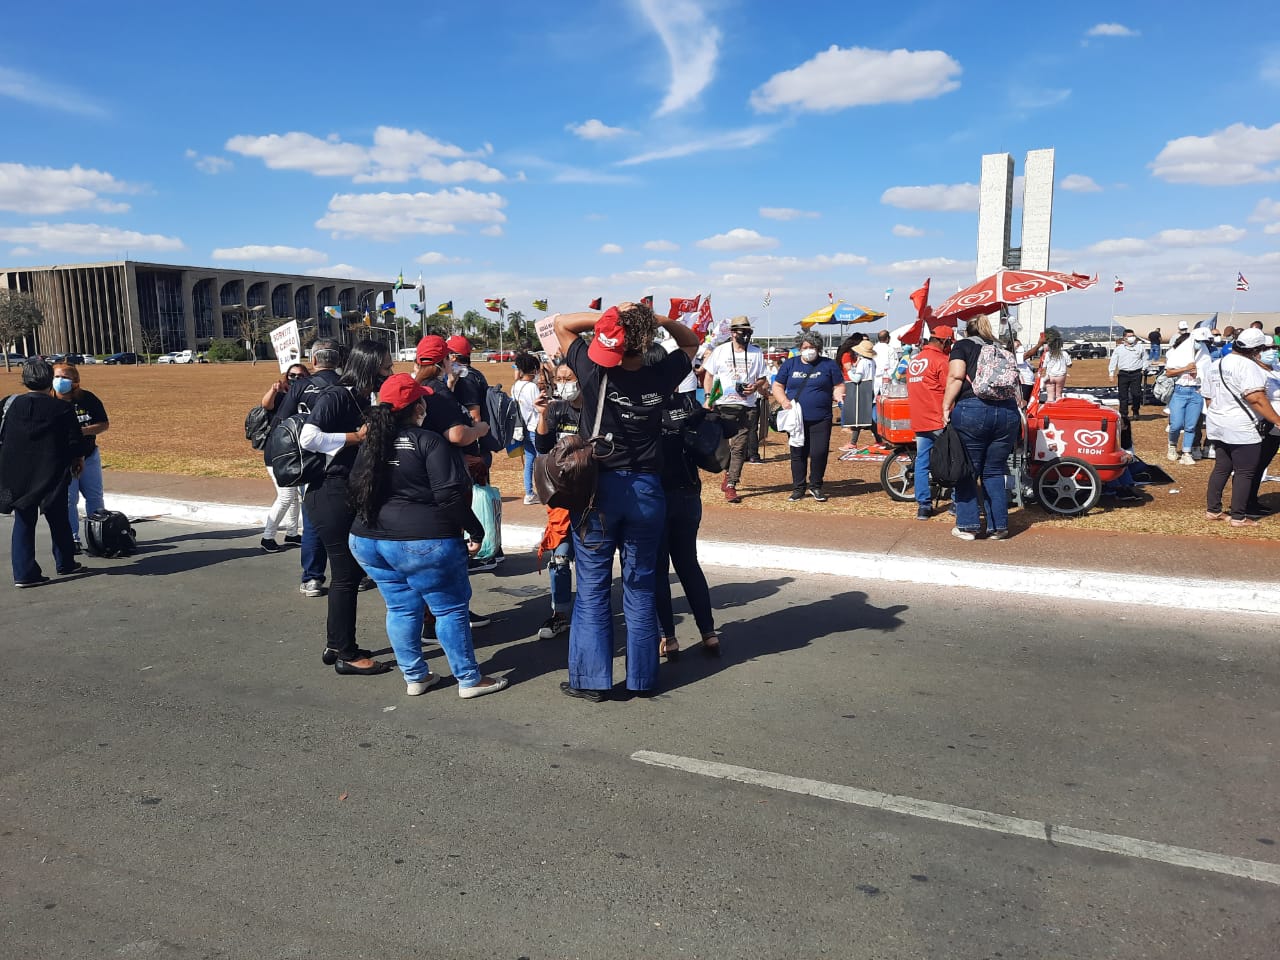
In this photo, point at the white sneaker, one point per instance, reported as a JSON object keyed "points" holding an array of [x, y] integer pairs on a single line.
{"points": [[963, 534], [556, 625], [1187, 460], [486, 686], [1211, 453], [531, 498], [1173, 453], [416, 688], [311, 588]]}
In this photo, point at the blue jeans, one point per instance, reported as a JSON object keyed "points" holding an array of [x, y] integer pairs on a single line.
{"points": [[88, 483], [989, 431], [628, 518], [561, 569], [409, 574], [924, 450], [314, 555], [529, 453], [1184, 413], [22, 545], [679, 549]]}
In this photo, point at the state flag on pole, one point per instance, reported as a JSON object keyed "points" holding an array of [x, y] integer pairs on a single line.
{"points": [[335, 312], [595, 304], [1119, 287], [400, 281], [703, 324], [768, 298], [920, 298], [681, 305], [888, 292], [540, 305], [446, 308], [1241, 283], [647, 301], [493, 304]]}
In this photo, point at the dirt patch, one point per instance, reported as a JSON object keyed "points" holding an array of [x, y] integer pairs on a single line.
{"points": [[189, 420]]}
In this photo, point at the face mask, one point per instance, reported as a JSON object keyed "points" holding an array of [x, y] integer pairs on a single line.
{"points": [[1269, 357], [63, 384], [1130, 340], [567, 390], [742, 339], [808, 356]]}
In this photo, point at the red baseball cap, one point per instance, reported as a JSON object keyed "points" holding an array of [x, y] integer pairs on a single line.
{"points": [[432, 349], [400, 390], [460, 345], [607, 345], [942, 333]]}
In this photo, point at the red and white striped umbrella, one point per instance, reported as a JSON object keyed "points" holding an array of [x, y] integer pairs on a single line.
{"points": [[1004, 288]]}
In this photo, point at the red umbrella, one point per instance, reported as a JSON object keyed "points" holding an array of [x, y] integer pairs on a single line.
{"points": [[1005, 288]]}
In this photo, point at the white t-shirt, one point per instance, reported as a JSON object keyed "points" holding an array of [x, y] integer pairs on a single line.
{"points": [[1273, 394], [1230, 378], [884, 359], [525, 392], [1182, 356], [731, 366], [1053, 367]]}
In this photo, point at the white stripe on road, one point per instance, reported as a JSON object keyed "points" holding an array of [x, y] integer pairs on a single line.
{"points": [[978, 819]]}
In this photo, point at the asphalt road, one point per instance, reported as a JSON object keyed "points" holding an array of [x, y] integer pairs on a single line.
{"points": [[181, 778]]}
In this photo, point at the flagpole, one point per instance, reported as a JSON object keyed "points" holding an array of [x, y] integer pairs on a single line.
{"points": [[1231, 321], [1111, 327]]}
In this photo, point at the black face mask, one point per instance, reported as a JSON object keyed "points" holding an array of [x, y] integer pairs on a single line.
{"points": [[742, 339]]}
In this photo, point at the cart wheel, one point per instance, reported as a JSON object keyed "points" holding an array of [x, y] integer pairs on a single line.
{"points": [[1068, 486], [898, 474]]}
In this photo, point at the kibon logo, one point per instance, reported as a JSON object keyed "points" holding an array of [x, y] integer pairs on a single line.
{"points": [[917, 367], [609, 342], [1090, 438]]}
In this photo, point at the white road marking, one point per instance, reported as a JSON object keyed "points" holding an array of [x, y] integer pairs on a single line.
{"points": [[978, 819]]}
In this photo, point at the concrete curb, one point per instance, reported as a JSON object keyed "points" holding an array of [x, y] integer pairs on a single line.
{"points": [[1169, 593]]}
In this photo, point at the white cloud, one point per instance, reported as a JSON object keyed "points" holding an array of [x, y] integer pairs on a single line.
{"points": [[594, 130], [1213, 236], [1111, 30], [208, 164], [953, 197], [692, 45], [1025, 99], [395, 156], [610, 248], [345, 271], [661, 245], [838, 78], [788, 213], [738, 239], [491, 231], [432, 258], [51, 190], [1271, 228], [87, 238], [1235, 155], [775, 265], [928, 266], [1266, 210], [593, 177], [902, 230], [30, 89], [389, 215], [1120, 247], [270, 254], [1079, 183], [730, 140], [652, 276]]}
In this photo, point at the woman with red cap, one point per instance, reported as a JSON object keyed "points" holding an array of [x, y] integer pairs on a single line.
{"points": [[412, 499], [630, 507]]}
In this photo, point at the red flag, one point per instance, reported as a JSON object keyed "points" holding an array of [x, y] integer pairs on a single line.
{"points": [[704, 321], [595, 304], [924, 313], [647, 301], [680, 306]]}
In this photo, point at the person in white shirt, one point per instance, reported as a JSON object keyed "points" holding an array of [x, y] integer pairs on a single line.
{"points": [[525, 392], [885, 357], [1126, 368], [738, 368], [1053, 365], [1187, 358], [1237, 404]]}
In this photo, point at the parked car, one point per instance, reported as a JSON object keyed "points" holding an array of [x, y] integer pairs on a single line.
{"points": [[407, 354], [89, 358], [185, 356], [501, 356], [122, 358], [17, 358], [171, 357], [75, 358]]}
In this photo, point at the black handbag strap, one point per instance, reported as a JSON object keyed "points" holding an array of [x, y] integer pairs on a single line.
{"points": [[1235, 396]]}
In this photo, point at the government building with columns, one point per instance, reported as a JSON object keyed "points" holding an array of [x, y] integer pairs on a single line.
{"points": [[128, 305]]}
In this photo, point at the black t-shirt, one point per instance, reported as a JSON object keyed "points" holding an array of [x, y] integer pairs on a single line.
{"points": [[632, 408], [428, 492], [444, 412], [336, 410], [302, 393], [470, 387], [679, 472], [562, 421], [89, 411], [966, 350]]}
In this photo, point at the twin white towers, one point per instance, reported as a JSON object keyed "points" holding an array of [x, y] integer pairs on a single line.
{"points": [[995, 221]]}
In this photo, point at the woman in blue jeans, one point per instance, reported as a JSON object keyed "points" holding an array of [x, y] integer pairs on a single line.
{"points": [[412, 498], [1186, 363], [988, 427]]}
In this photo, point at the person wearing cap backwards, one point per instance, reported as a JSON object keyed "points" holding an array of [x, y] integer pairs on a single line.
{"points": [[630, 508], [412, 499], [926, 384], [1237, 406], [738, 368]]}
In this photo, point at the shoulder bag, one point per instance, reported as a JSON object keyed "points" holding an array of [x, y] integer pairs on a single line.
{"points": [[1262, 426], [566, 477]]}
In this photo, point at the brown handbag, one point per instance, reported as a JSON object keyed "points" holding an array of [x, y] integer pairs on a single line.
{"points": [[566, 477]]}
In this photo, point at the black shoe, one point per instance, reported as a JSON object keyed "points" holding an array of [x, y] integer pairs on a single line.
{"points": [[366, 584], [77, 549], [755, 460], [343, 668], [817, 494], [428, 630], [1128, 495], [293, 541], [478, 620], [78, 568], [796, 495], [330, 656], [23, 584], [591, 696], [476, 565], [270, 546], [924, 513]]}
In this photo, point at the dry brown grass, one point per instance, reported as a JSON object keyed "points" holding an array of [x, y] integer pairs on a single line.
{"points": [[189, 420]]}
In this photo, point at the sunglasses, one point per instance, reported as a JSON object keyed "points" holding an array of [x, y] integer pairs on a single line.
{"points": [[294, 376]]}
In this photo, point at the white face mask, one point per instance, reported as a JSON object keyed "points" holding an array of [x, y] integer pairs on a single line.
{"points": [[1130, 340], [808, 356], [567, 390]]}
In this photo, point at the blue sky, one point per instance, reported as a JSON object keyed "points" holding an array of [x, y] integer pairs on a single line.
{"points": [[615, 148]]}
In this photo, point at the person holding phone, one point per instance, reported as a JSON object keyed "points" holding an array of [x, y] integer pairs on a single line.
{"points": [[558, 417]]}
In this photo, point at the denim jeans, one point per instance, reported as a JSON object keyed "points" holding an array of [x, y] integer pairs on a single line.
{"points": [[679, 548], [314, 555], [561, 571], [1184, 412], [22, 545], [89, 483], [629, 514], [529, 453], [989, 431], [924, 450], [409, 574]]}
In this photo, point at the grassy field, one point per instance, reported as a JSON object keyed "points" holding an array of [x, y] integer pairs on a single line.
{"points": [[190, 420]]}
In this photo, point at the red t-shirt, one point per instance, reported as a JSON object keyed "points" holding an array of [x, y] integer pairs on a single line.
{"points": [[926, 382]]}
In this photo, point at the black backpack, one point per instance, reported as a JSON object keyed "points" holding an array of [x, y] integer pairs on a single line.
{"points": [[289, 463], [107, 534], [257, 426], [949, 461], [503, 416]]}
